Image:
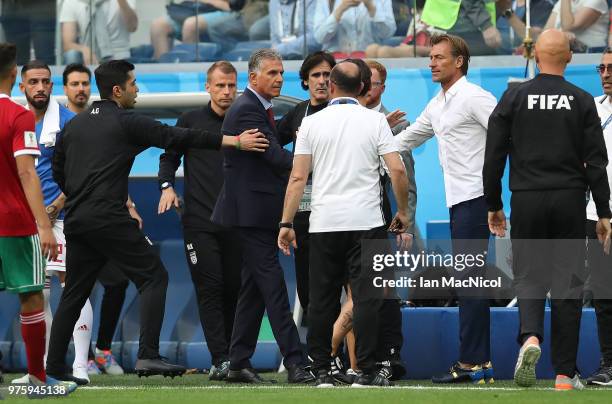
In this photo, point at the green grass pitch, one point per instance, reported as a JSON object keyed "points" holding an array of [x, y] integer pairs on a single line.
{"points": [[197, 389]]}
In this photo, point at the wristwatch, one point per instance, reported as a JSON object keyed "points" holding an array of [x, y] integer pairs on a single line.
{"points": [[287, 225], [508, 13], [165, 185]]}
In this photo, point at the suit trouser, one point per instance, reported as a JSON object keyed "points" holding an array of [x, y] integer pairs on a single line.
{"points": [[263, 288], [600, 272], [125, 246], [215, 263], [548, 232], [336, 257], [470, 235], [301, 223]]}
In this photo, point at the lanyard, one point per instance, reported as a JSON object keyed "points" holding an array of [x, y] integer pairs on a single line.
{"points": [[343, 101]]}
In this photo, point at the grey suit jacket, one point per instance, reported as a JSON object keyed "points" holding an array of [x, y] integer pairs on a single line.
{"points": [[409, 163]]}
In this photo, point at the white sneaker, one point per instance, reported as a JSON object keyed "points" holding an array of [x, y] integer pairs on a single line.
{"points": [[25, 379], [563, 383], [81, 373], [524, 372]]}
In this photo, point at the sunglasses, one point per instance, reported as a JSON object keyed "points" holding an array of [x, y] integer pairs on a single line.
{"points": [[603, 68]]}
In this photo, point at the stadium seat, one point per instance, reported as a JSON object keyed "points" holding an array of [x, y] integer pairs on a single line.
{"points": [[186, 53]]}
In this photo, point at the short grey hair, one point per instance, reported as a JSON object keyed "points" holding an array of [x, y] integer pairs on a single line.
{"points": [[259, 56]]}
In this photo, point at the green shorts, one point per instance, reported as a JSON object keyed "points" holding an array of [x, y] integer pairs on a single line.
{"points": [[22, 266]]}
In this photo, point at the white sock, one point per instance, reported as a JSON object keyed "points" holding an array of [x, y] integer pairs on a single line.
{"points": [[82, 336], [48, 314]]}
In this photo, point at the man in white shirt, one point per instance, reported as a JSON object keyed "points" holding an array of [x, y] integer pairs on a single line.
{"points": [[344, 144], [109, 29], [458, 116], [599, 264]]}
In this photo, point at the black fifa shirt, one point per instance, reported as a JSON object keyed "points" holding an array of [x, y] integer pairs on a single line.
{"points": [[203, 170], [552, 134], [94, 156]]}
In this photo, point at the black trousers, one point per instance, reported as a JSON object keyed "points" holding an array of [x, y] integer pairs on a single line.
{"points": [[301, 222], [262, 289], [547, 231], [124, 245], [390, 338], [115, 283], [600, 273], [470, 235], [336, 257], [215, 262]]}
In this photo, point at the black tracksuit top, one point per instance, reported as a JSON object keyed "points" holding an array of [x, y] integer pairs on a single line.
{"points": [[94, 156], [551, 131]]}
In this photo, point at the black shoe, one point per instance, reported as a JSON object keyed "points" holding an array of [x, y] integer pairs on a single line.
{"points": [[372, 379], [458, 374], [219, 372], [67, 377], [338, 372], [602, 376], [159, 366], [324, 379], [296, 374], [243, 376]]}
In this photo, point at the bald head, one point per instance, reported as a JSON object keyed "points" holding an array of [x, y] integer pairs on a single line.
{"points": [[346, 78], [552, 50]]}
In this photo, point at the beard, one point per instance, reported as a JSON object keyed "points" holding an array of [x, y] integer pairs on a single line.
{"points": [[80, 101], [38, 104]]}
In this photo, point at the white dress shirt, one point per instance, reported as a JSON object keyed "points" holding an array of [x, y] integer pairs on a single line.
{"points": [[604, 109], [459, 118]]}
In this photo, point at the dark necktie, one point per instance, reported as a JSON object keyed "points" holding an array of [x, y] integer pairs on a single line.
{"points": [[271, 117]]}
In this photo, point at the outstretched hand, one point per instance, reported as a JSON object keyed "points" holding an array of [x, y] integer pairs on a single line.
{"points": [[253, 140]]}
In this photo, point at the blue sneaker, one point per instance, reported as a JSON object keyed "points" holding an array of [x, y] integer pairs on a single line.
{"points": [[92, 368], [458, 374], [487, 370], [51, 388]]}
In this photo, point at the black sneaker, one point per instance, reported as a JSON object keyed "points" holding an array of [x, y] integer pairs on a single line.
{"points": [[458, 374], [296, 374], [376, 379], [158, 366], [219, 372], [324, 379], [338, 373], [602, 376]]}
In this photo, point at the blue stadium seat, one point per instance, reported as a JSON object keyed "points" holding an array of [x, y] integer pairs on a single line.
{"points": [[186, 53]]}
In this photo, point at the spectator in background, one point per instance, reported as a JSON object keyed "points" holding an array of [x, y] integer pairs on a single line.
{"points": [[247, 22], [286, 19], [406, 48], [347, 27], [108, 32], [472, 20], [585, 23], [511, 21], [165, 29], [30, 22]]}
